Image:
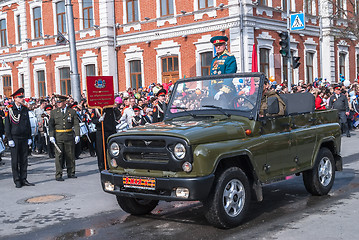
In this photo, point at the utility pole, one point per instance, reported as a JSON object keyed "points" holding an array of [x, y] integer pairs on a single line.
{"points": [[289, 58], [74, 75]]}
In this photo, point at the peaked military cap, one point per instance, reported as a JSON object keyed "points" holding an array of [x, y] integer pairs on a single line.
{"points": [[48, 107], [161, 92], [18, 93], [338, 86], [219, 39], [136, 108], [60, 98], [74, 105]]}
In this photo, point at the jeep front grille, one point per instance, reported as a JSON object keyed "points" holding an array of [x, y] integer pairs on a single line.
{"points": [[147, 157], [146, 143]]}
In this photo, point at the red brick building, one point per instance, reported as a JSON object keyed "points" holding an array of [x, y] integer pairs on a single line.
{"points": [[141, 42]]}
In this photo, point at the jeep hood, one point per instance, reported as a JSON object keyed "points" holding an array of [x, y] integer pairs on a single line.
{"points": [[196, 132]]}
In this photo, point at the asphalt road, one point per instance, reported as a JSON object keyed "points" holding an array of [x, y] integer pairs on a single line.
{"points": [[79, 209]]}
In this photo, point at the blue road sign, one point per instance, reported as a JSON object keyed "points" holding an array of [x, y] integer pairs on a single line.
{"points": [[297, 21]]}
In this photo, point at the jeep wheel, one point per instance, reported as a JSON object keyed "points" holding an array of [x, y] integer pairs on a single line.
{"points": [[229, 200], [136, 206], [319, 180]]}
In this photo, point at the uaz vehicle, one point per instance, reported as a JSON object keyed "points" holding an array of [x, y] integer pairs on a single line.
{"points": [[214, 147]]}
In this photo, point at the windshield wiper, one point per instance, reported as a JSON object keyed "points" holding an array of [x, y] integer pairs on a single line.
{"points": [[185, 110], [218, 108]]}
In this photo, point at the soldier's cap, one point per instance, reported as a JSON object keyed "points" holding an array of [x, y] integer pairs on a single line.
{"points": [[60, 98], [219, 39], [48, 107], [74, 105], [161, 92], [136, 108], [18, 93], [337, 87]]}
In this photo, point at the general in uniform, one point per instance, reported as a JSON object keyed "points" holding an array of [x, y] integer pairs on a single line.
{"points": [[160, 109], [18, 133], [222, 63], [63, 127], [340, 102]]}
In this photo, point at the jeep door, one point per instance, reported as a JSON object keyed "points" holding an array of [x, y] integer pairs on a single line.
{"points": [[278, 145], [304, 135]]}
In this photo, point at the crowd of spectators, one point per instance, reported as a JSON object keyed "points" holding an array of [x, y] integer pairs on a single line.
{"points": [[135, 103]]}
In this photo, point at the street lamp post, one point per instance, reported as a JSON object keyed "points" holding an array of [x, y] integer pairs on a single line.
{"points": [[74, 75]]}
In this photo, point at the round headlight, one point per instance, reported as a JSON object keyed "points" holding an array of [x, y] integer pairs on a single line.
{"points": [[179, 151], [114, 149]]}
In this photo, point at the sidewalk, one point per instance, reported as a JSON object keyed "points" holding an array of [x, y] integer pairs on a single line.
{"points": [[51, 201]]}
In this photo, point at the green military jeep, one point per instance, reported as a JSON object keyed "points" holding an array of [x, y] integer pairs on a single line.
{"points": [[214, 147]]}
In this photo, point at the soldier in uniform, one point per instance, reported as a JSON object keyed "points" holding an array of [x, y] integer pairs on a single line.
{"points": [[110, 118], [46, 117], [340, 102], [64, 132], [137, 119], [222, 63], [160, 109], [18, 133]]}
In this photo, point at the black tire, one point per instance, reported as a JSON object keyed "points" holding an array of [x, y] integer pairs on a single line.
{"points": [[219, 212], [319, 180], [136, 206]]}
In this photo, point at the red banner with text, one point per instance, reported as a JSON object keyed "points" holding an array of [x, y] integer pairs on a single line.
{"points": [[100, 92]]}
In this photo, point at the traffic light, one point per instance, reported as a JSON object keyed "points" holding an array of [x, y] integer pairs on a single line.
{"points": [[296, 62], [284, 43]]}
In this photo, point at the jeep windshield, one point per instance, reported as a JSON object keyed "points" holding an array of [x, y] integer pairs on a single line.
{"points": [[230, 94]]}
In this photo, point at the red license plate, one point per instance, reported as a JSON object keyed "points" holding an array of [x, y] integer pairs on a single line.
{"points": [[139, 182]]}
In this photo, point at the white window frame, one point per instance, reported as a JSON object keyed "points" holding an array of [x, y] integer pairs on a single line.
{"points": [[210, 12], [202, 45], [54, 12], [135, 25], [60, 62], [33, 5], [133, 53], [18, 13], [265, 40], [343, 47], [89, 57], [161, 20], [5, 72], [81, 14], [39, 65], [3, 16], [311, 46], [165, 49]]}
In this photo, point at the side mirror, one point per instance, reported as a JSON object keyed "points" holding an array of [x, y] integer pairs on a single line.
{"points": [[273, 105]]}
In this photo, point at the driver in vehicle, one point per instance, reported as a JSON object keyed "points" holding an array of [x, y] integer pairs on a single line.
{"points": [[267, 92]]}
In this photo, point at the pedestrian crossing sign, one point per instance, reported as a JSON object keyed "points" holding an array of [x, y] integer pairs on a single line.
{"points": [[297, 21]]}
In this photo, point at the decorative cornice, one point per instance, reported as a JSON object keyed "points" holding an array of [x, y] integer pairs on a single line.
{"points": [[177, 31]]}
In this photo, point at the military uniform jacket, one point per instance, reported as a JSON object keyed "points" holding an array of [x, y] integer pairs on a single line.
{"points": [[340, 103], [17, 123], [223, 64], [60, 124], [109, 122]]}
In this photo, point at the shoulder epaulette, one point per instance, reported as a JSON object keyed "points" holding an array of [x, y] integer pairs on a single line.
{"points": [[9, 106], [228, 53]]}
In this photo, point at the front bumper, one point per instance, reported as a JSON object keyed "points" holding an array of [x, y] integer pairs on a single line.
{"points": [[198, 187]]}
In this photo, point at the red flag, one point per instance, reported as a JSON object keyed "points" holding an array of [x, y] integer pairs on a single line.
{"points": [[254, 67]]}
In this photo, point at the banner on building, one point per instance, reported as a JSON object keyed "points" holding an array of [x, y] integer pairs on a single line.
{"points": [[100, 92]]}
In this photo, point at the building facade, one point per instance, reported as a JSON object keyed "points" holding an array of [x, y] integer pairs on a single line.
{"points": [[141, 42]]}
